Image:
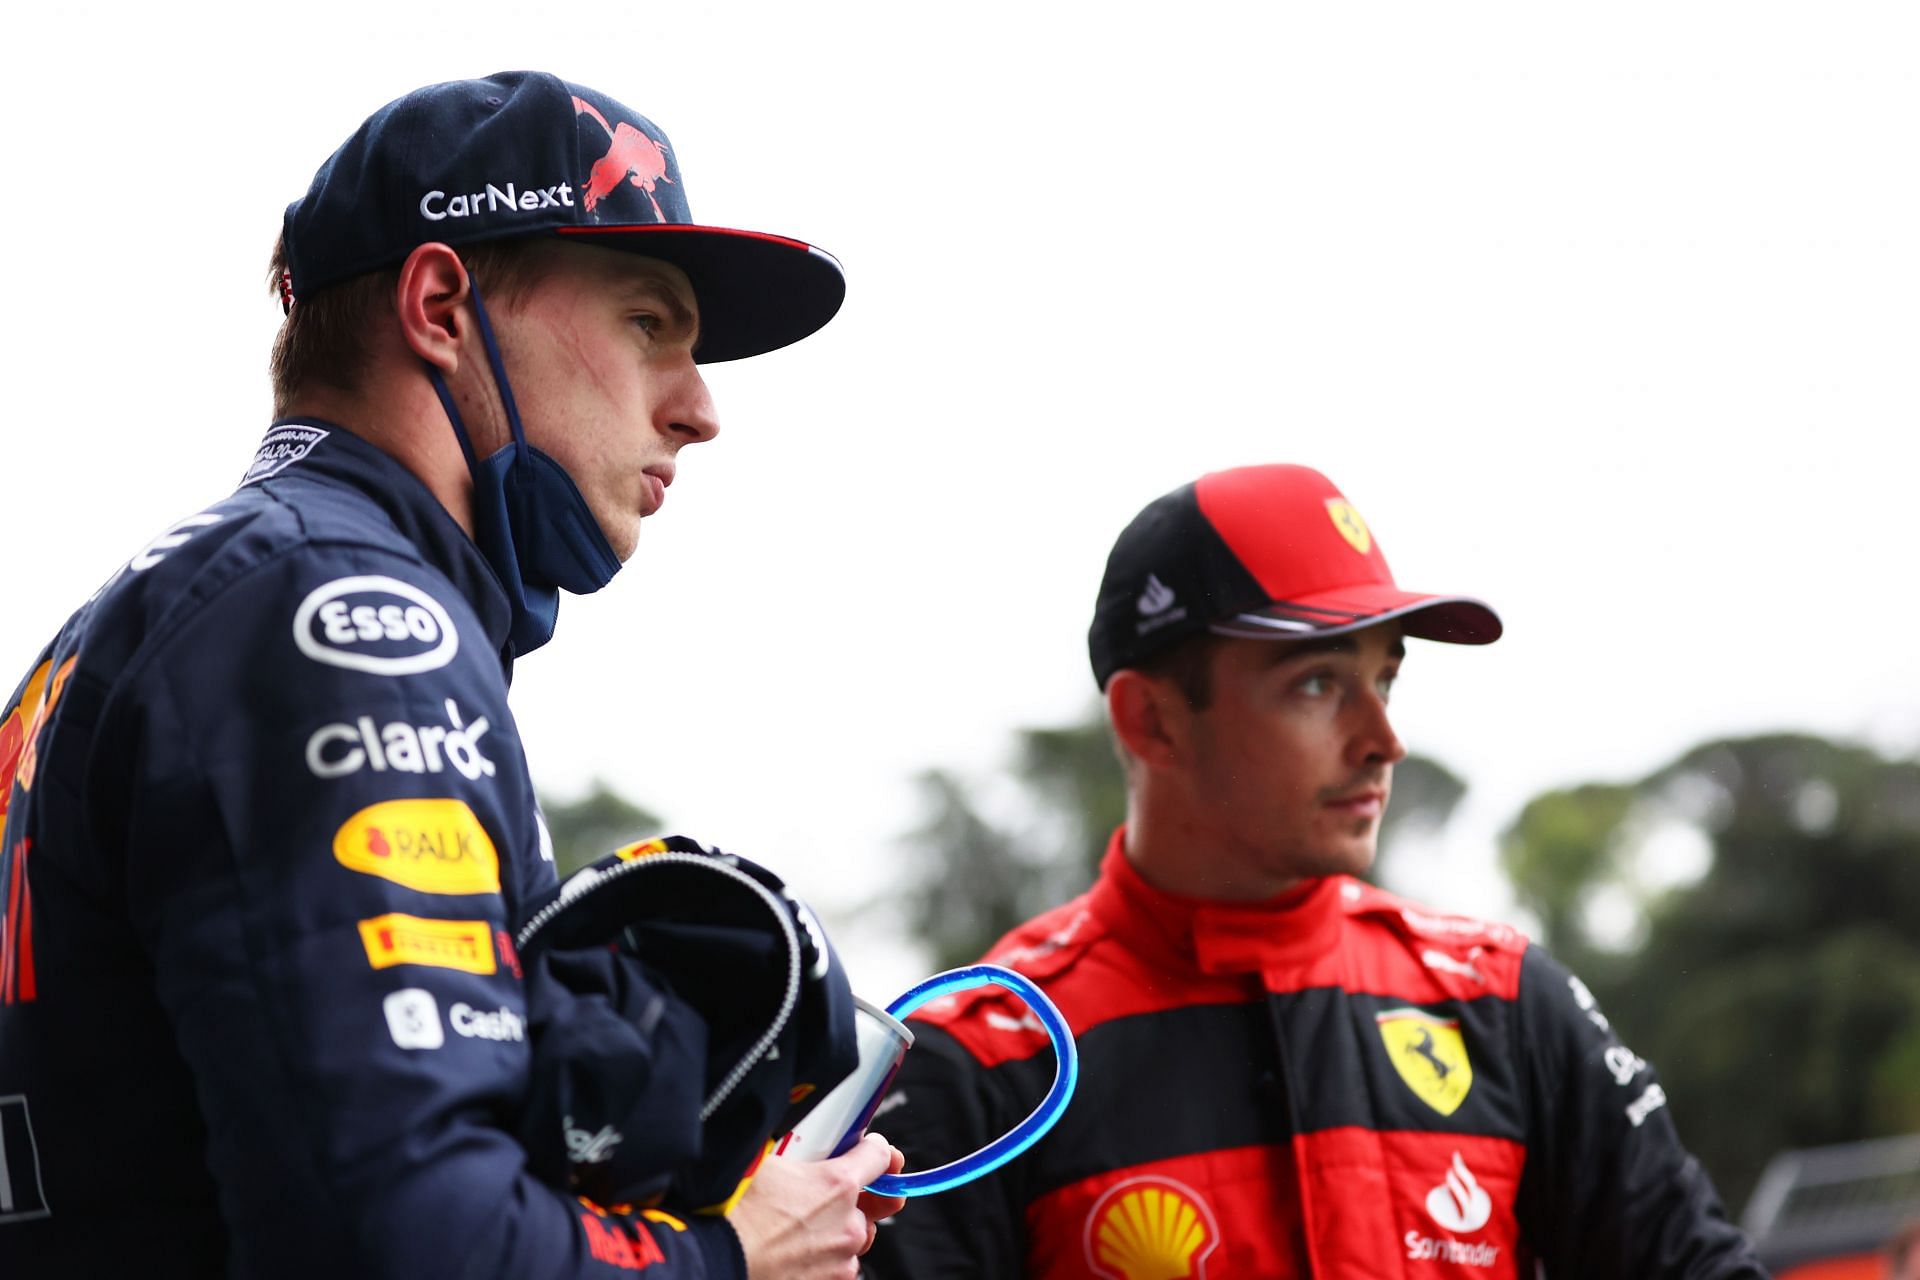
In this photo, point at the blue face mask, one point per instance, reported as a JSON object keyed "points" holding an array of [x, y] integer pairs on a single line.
{"points": [[529, 520]]}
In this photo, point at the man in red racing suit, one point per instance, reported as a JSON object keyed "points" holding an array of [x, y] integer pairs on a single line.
{"points": [[1285, 1072]]}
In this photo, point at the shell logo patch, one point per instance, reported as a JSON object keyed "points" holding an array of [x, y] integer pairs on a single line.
{"points": [[435, 846], [1351, 526], [1150, 1229], [1430, 1055]]}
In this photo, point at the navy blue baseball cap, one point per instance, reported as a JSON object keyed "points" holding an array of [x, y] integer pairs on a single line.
{"points": [[525, 153]]}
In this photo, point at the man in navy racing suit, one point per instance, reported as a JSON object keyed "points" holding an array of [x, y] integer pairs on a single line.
{"points": [[267, 820]]}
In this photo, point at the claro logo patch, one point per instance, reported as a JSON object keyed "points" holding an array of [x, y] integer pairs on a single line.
{"points": [[435, 846], [375, 624]]}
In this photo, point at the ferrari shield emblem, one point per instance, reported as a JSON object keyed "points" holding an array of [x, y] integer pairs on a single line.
{"points": [[1430, 1056], [1351, 526]]}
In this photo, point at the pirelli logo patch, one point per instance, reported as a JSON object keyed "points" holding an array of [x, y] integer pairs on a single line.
{"points": [[434, 845], [466, 945]]}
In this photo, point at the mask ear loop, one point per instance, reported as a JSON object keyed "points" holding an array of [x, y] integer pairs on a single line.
{"points": [[1066, 1074], [500, 379], [499, 367]]}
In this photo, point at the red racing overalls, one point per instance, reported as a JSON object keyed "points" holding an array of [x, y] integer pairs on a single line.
{"points": [[1336, 1083]]}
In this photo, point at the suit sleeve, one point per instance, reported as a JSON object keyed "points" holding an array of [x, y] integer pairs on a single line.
{"points": [[944, 1104], [1609, 1192], [323, 841]]}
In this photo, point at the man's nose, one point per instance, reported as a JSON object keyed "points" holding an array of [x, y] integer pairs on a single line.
{"points": [[689, 411], [1374, 741]]}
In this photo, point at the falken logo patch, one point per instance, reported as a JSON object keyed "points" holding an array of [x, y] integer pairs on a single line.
{"points": [[396, 938], [1150, 1229], [1430, 1055], [435, 846], [280, 449], [375, 624]]}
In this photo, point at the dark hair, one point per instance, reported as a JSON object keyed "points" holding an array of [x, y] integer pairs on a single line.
{"points": [[1188, 664], [326, 340]]}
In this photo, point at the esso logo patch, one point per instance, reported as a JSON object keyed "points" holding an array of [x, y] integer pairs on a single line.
{"points": [[376, 624]]}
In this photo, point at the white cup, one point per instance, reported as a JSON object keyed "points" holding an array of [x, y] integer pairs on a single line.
{"points": [[840, 1119]]}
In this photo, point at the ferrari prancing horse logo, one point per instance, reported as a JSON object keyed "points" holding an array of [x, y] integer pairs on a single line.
{"points": [[1430, 1056], [1351, 526]]}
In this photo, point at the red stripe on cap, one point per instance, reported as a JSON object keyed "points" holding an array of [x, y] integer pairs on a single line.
{"points": [[1278, 522], [658, 228]]}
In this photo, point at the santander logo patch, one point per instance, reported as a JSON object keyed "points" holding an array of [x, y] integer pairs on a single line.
{"points": [[1460, 1203]]}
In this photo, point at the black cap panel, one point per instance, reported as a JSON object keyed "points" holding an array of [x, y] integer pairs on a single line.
{"points": [[1169, 576]]}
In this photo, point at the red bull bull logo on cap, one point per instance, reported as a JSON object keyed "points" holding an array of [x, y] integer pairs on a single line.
{"points": [[631, 156]]}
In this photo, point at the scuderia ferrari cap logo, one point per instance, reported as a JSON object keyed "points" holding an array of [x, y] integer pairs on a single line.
{"points": [[1430, 1055], [1350, 524]]}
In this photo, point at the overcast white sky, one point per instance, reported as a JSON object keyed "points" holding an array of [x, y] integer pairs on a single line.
{"points": [[1607, 315]]}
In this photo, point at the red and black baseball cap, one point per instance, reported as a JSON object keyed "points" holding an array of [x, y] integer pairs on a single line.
{"points": [[526, 153], [1273, 552]]}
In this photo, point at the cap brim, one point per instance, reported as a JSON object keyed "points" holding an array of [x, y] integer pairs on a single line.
{"points": [[756, 292], [1450, 619]]}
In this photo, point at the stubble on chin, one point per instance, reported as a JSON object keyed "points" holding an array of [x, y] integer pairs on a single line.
{"points": [[1354, 854], [623, 535]]}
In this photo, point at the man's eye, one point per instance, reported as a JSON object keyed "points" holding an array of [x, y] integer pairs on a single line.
{"points": [[648, 322], [1316, 685], [1385, 685]]}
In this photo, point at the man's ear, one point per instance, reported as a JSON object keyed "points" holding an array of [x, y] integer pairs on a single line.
{"points": [[430, 302], [1149, 717]]}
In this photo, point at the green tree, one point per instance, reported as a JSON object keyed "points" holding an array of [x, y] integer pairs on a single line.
{"points": [[1074, 777], [1560, 853], [1779, 992], [597, 823], [975, 879], [1425, 795]]}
